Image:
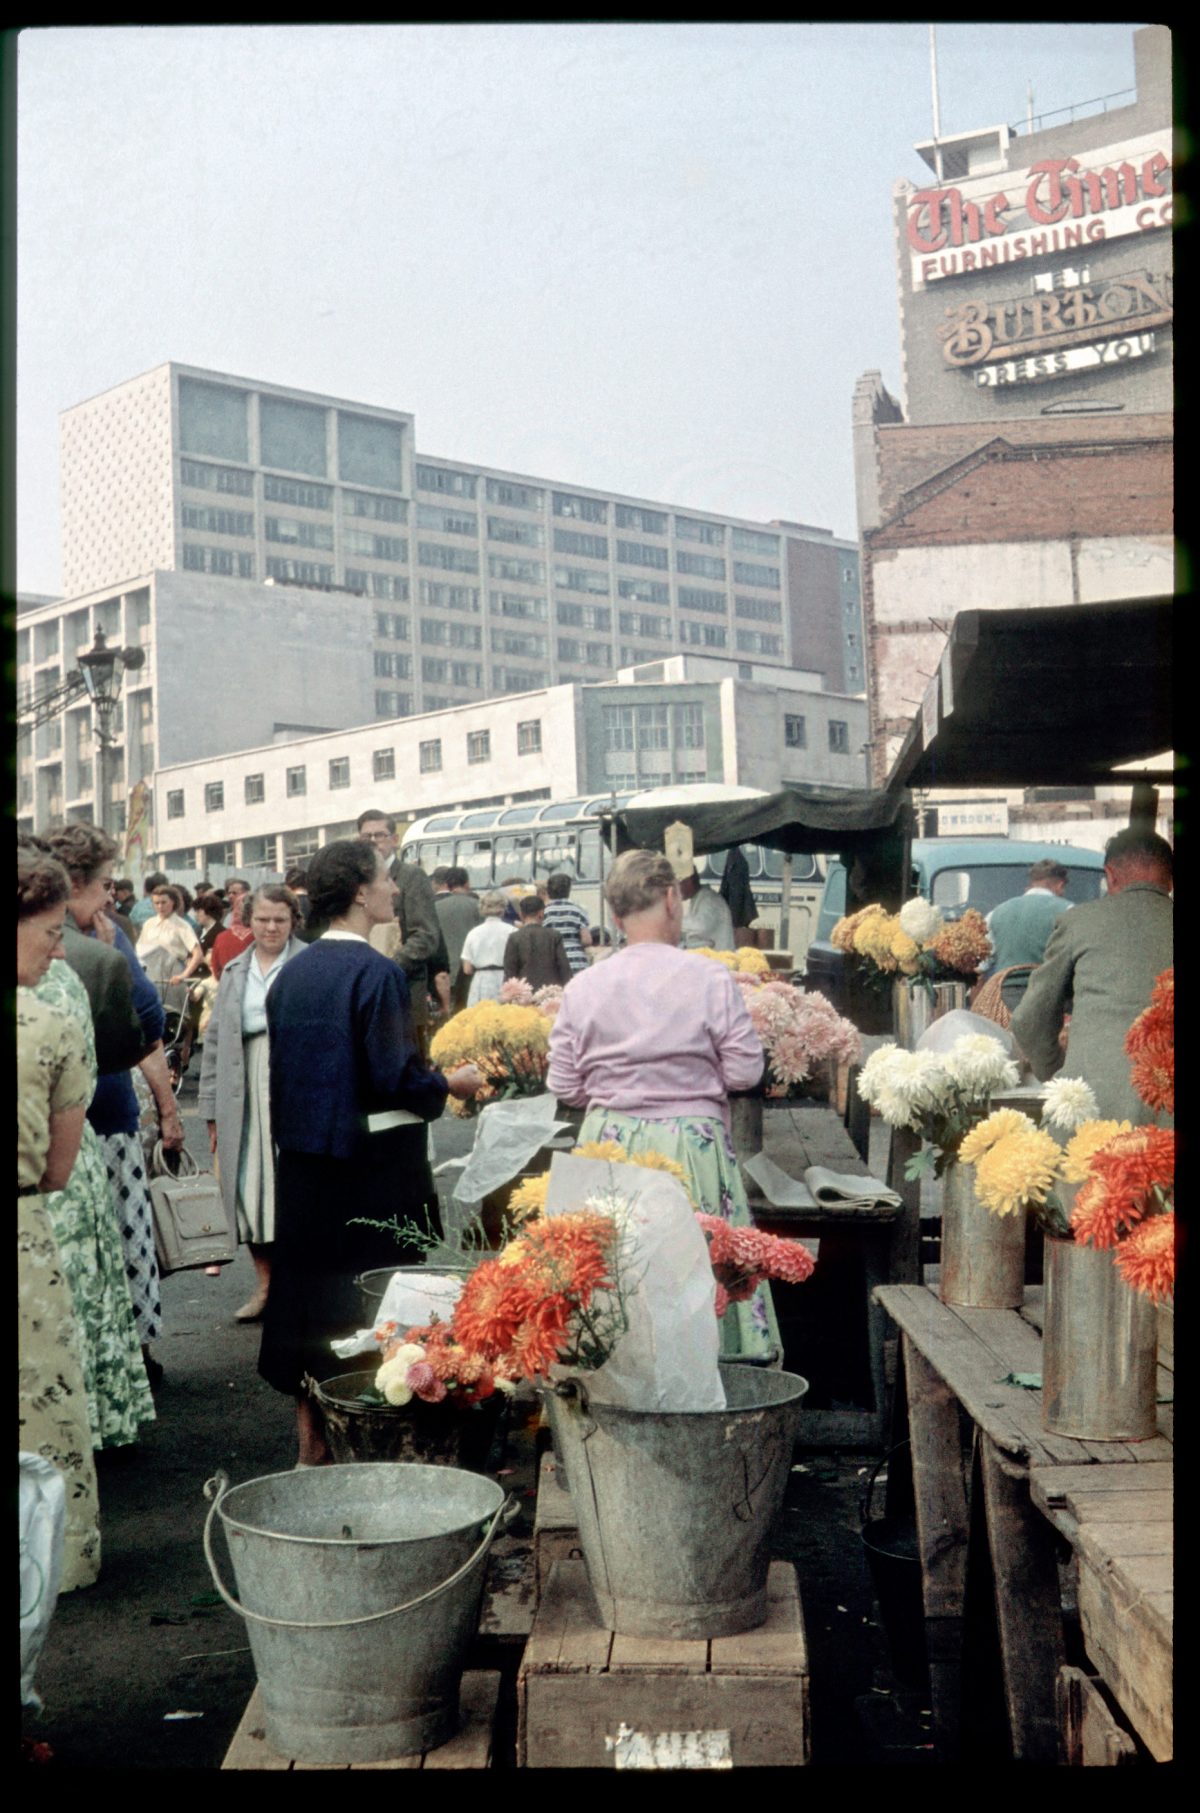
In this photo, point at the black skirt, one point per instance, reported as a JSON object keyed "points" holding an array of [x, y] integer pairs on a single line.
{"points": [[320, 1251]]}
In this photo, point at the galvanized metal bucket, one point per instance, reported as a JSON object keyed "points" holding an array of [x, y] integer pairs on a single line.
{"points": [[360, 1587], [915, 1006], [675, 1509], [444, 1435], [983, 1255], [1099, 1349]]}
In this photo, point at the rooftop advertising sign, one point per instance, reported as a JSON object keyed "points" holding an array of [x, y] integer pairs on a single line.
{"points": [[1055, 204]]}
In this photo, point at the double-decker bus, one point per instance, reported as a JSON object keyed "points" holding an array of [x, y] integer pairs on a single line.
{"points": [[579, 837]]}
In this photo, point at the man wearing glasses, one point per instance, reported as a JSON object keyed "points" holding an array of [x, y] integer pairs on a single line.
{"points": [[418, 935]]}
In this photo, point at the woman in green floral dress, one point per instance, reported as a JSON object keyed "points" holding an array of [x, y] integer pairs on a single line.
{"points": [[92, 1255]]}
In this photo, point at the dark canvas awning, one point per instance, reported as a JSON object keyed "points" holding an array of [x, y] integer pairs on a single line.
{"points": [[1044, 697], [798, 819]]}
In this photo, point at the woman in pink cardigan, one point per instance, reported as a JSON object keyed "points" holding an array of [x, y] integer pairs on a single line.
{"points": [[653, 1039]]}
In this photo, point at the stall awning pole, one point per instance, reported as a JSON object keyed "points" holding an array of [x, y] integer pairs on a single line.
{"points": [[785, 904]]}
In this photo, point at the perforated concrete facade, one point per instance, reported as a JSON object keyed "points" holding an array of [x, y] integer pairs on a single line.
{"points": [[115, 463]]}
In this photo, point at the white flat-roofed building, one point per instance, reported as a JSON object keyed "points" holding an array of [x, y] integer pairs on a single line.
{"points": [[268, 808]]}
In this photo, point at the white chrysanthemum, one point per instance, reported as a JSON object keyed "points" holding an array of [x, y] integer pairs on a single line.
{"points": [[901, 1084], [1069, 1102], [980, 1064], [392, 1377], [920, 920]]}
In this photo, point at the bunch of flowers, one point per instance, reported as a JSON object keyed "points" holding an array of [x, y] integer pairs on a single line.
{"points": [[1150, 1043], [509, 1044], [429, 1364], [551, 1296], [1127, 1173], [798, 1031], [939, 1094], [745, 961], [742, 1258], [516, 992], [916, 943], [528, 1200]]}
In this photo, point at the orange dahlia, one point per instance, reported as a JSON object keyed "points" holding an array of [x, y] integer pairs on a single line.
{"points": [[1146, 1260]]}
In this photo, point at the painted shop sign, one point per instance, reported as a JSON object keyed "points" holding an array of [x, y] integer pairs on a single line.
{"points": [[1057, 203], [1048, 321], [1062, 364]]}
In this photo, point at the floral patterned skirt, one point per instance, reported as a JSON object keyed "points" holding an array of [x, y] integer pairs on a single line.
{"points": [[93, 1259], [52, 1418], [701, 1144]]}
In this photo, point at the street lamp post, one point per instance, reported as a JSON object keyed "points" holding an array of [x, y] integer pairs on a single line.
{"points": [[103, 670]]}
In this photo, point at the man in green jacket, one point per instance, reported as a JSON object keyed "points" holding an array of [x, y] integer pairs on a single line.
{"points": [[1100, 966]]}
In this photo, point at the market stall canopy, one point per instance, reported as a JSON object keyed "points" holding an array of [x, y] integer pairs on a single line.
{"points": [[1062, 695], [799, 819]]}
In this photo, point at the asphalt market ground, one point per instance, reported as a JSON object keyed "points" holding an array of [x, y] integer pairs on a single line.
{"points": [[143, 1671]]}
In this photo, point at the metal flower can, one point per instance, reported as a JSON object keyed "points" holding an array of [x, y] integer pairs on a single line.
{"points": [[1099, 1349], [915, 1006], [983, 1254]]}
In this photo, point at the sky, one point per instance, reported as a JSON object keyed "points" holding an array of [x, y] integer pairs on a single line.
{"points": [[648, 258]]}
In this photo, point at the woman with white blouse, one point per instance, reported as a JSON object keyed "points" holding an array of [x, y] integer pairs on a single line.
{"points": [[234, 1081], [483, 951]]}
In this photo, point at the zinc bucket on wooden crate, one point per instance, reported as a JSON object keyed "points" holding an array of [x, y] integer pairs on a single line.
{"points": [[433, 1434], [915, 1006], [1099, 1348], [360, 1587], [675, 1508], [983, 1255]]}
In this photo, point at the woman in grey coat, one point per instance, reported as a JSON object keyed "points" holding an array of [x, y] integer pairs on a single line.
{"points": [[234, 1081]]}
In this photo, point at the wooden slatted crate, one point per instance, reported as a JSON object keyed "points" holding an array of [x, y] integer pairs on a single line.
{"points": [[591, 1698], [555, 1524], [469, 1748]]}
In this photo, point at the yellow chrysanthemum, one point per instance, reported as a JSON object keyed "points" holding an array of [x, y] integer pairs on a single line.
{"points": [[873, 940], [612, 1153], [529, 1198], [982, 1138], [1017, 1170], [607, 1149], [1084, 1142], [728, 958], [751, 962]]}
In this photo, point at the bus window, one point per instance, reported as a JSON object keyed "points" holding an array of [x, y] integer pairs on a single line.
{"points": [[514, 854], [804, 866], [475, 856], [714, 862], [568, 808], [472, 819], [589, 853], [555, 854], [432, 855]]}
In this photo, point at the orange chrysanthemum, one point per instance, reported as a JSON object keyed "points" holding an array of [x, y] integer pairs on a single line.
{"points": [[1129, 1178], [1146, 1260], [1150, 1043]]}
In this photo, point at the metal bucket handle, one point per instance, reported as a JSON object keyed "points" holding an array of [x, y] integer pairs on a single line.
{"points": [[864, 1509], [216, 1488]]}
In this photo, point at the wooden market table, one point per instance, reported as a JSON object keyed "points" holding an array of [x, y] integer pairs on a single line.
{"points": [[835, 1313], [996, 1495]]}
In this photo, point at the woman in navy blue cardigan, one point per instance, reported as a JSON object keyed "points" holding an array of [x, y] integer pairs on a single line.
{"points": [[350, 1104]]}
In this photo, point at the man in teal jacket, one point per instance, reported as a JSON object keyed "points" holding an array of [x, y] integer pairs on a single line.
{"points": [[1020, 928]]}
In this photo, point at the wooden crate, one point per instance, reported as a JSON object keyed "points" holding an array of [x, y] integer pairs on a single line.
{"points": [[591, 1698], [469, 1748]]}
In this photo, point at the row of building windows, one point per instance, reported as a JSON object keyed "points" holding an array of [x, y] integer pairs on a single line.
{"points": [[218, 560], [795, 733], [199, 476], [628, 727]]}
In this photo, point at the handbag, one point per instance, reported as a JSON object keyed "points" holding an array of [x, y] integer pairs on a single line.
{"points": [[190, 1225]]}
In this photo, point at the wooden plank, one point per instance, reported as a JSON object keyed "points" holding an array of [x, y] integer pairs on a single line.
{"points": [[567, 1635], [1144, 1508], [1113, 1542], [776, 1647], [555, 1525], [665, 1655], [1127, 1636], [1028, 1606], [1091, 1736], [469, 1748], [586, 1721], [941, 1491], [1076, 1487]]}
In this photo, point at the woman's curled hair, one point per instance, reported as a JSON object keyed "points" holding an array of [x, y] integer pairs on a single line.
{"points": [[637, 881], [336, 873], [278, 895], [42, 882]]}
